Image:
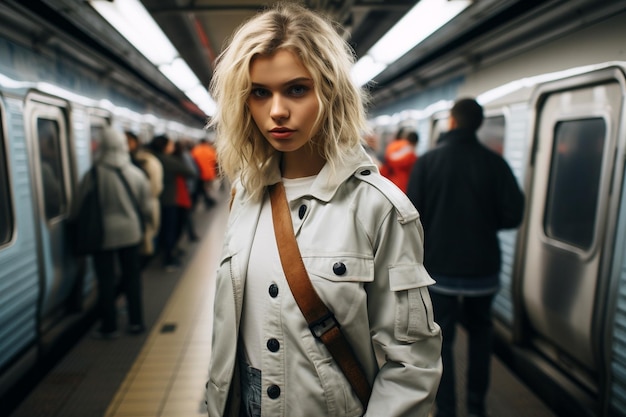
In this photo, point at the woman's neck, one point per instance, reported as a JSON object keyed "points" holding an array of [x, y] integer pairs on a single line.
{"points": [[304, 162]]}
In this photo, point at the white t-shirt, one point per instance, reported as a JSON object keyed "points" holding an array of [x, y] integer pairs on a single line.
{"points": [[264, 269]]}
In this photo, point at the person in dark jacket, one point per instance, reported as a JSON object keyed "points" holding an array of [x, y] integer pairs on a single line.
{"points": [[465, 194], [163, 148]]}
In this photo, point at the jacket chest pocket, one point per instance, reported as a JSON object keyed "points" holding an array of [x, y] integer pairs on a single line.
{"points": [[339, 279]]}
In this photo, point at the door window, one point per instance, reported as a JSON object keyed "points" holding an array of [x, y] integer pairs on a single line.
{"points": [[51, 167], [575, 174]]}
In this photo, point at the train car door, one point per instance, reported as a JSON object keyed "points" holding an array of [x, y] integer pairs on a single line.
{"points": [[48, 136], [575, 144]]}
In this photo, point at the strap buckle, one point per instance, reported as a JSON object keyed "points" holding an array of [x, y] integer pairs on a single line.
{"points": [[322, 325]]}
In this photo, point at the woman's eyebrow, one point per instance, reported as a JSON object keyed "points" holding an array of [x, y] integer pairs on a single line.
{"points": [[290, 82]]}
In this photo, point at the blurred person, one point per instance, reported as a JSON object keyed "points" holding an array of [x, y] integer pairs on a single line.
{"points": [[123, 211], [183, 196], [289, 127], [153, 169], [206, 159], [399, 158], [192, 185], [465, 194], [163, 148]]}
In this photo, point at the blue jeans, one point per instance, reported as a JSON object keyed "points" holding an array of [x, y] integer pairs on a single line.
{"points": [[475, 314], [250, 391]]}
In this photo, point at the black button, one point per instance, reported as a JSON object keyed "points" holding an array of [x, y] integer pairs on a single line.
{"points": [[273, 391], [273, 290], [339, 268], [366, 172], [302, 211], [273, 345]]}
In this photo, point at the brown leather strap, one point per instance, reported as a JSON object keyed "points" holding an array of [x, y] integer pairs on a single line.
{"points": [[321, 320]]}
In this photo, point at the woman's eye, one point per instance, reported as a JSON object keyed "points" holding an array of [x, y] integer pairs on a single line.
{"points": [[298, 90], [259, 93]]}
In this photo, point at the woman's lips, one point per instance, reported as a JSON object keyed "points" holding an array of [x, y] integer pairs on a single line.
{"points": [[281, 133]]}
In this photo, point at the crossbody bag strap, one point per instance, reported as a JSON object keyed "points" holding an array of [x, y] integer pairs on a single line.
{"points": [[321, 320]]}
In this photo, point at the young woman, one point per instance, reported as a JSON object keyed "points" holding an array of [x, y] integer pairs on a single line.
{"points": [[289, 116]]}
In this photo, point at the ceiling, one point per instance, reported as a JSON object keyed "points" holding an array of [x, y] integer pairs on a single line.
{"points": [[199, 29], [488, 31]]}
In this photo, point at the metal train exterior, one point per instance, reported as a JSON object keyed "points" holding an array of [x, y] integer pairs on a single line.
{"points": [[52, 112], [557, 114]]}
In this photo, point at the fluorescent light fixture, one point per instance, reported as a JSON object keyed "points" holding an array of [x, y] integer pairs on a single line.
{"points": [[133, 21], [202, 98], [365, 69], [180, 74], [425, 18]]}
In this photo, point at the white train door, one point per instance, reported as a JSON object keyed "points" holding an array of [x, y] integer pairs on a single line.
{"points": [[564, 280]]}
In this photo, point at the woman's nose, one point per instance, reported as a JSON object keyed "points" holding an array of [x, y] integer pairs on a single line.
{"points": [[279, 108]]}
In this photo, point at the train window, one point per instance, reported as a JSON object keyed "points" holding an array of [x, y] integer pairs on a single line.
{"points": [[97, 130], [491, 133], [6, 215], [575, 174], [48, 134]]}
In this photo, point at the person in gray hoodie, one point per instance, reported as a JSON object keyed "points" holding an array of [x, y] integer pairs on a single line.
{"points": [[125, 209]]}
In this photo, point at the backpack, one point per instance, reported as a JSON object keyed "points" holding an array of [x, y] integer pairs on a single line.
{"points": [[86, 229]]}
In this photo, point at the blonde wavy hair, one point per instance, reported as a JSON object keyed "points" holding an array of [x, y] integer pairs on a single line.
{"points": [[242, 150]]}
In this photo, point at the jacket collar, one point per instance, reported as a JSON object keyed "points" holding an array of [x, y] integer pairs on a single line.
{"points": [[458, 136], [330, 178]]}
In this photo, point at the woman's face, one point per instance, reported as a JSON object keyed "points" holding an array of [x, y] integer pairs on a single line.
{"points": [[282, 102]]}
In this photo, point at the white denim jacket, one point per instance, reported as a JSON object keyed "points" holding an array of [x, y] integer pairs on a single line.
{"points": [[357, 218]]}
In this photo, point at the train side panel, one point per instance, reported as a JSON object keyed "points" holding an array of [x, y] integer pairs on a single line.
{"points": [[515, 152], [52, 109], [19, 272]]}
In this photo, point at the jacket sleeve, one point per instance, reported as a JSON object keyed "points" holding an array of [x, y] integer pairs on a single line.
{"points": [[403, 329], [146, 202], [510, 200], [155, 169]]}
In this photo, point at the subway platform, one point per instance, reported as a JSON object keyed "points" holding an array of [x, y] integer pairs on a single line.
{"points": [[162, 372]]}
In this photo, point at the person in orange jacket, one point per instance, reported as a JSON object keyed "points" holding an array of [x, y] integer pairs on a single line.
{"points": [[206, 158], [399, 158]]}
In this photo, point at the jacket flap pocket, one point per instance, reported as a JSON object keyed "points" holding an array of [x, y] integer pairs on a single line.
{"points": [[340, 268], [406, 277]]}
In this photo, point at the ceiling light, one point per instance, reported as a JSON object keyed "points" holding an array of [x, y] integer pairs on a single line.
{"points": [[425, 18], [132, 20], [180, 74], [365, 69], [202, 98]]}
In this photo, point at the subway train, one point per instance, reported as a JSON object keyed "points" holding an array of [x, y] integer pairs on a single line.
{"points": [[53, 109], [557, 114], [555, 110]]}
